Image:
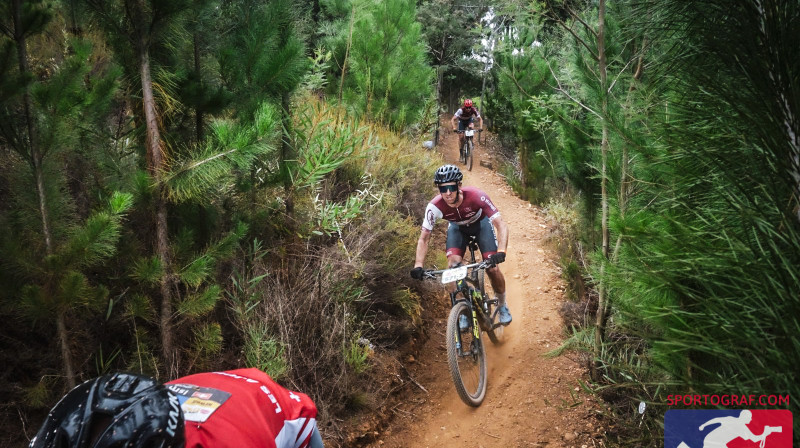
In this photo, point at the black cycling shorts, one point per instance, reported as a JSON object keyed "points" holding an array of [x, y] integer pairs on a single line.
{"points": [[483, 229]]}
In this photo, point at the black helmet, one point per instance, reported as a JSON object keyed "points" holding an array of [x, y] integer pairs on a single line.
{"points": [[115, 410], [447, 173]]}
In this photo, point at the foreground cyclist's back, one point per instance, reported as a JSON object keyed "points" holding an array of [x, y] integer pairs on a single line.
{"points": [[234, 409], [242, 409]]}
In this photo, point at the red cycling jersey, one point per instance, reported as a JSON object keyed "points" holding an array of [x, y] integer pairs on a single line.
{"points": [[476, 205], [243, 408]]}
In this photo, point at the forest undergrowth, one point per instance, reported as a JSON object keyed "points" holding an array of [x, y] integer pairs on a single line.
{"points": [[318, 299]]}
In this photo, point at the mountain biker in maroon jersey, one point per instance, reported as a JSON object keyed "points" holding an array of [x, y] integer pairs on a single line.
{"points": [[469, 212], [241, 408], [466, 116]]}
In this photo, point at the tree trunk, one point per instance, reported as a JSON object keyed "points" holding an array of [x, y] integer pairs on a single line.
{"points": [[624, 179], [36, 159], [63, 338], [155, 162], [198, 112], [35, 153], [347, 50], [438, 102], [602, 305], [286, 155], [483, 90]]}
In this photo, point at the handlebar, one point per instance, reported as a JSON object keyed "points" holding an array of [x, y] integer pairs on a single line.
{"points": [[461, 131], [485, 264]]}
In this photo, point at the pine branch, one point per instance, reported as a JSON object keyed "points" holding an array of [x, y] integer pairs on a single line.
{"points": [[207, 170]]}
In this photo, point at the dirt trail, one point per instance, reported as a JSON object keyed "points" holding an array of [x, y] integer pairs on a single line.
{"points": [[531, 400]]}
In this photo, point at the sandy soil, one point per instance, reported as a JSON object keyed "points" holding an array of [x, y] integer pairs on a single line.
{"points": [[532, 400]]}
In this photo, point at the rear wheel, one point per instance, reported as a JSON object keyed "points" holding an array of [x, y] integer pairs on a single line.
{"points": [[466, 356], [496, 334]]}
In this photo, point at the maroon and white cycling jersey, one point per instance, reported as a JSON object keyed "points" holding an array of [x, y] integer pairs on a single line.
{"points": [[466, 113], [476, 205]]}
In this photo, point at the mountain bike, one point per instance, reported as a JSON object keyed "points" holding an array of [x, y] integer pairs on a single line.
{"points": [[465, 353], [466, 149]]}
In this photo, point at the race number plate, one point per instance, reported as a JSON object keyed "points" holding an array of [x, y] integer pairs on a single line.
{"points": [[454, 274], [198, 403], [469, 132]]}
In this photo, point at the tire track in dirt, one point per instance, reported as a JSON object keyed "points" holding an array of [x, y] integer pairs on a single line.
{"points": [[532, 400]]}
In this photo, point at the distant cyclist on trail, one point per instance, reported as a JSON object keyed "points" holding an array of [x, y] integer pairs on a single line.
{"points": [[241, 408], [466, 116], [470, 212]]}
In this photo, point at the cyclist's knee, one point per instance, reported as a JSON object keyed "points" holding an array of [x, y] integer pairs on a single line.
{"points": [[453, 260], [495, 274]]}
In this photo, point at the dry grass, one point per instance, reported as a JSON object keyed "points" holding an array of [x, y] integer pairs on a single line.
{"points": [[337, 305]]}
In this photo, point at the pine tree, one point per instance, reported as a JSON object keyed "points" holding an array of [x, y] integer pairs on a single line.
{"points": [[262, 57], [264, 60], [193, 62], [448, 29], [142, 26], [45, 118], [714, 255], [388, 76]]}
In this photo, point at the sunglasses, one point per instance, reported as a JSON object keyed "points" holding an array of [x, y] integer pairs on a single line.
{"points": [[448, 188]]}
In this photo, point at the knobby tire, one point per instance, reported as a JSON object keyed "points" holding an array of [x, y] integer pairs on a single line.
{"points": [[469, 155], [496, 334], [469, 371]]}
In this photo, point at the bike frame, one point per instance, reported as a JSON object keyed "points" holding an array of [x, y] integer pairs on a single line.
{"points": [[466, 353], [469, 290], [467, 146]]}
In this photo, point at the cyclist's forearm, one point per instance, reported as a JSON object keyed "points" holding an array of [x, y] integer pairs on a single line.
{"points": [[502, 235], [502, 241], [422, 249]]}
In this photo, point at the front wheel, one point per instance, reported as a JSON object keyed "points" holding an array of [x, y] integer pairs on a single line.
{"points": [[466, 356], [469, 155]]}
